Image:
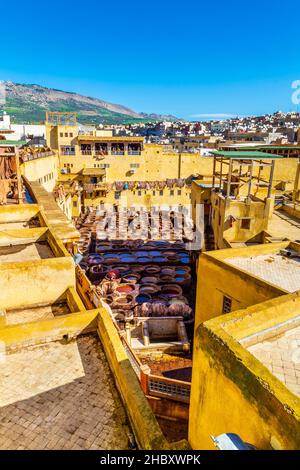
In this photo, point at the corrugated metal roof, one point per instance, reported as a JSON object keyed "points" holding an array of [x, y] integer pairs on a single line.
{"points": [[245, 155], [11, 143]]}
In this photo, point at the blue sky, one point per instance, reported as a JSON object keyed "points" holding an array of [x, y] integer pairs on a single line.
{"points": [[184, 58]]}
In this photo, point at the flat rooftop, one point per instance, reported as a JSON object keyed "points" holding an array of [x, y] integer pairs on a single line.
{"points": [[64, 398], [26, 252], [283, 225], [45, 312], [18, 225], [281, 271], [281, 355]]}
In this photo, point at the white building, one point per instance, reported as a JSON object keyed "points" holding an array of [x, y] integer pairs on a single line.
{"points": [[22, 131]]}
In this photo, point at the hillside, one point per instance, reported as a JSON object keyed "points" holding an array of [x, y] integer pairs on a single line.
{"points": [[28, 104]]}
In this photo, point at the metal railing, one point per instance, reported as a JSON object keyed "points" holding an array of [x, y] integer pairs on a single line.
{"points": [[28, 157], [134, 152], [169, 388]]}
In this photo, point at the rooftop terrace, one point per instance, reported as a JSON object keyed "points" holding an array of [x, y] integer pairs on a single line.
{"points": [[274, 268], [281, 355], [26, 252], [64, 399]]}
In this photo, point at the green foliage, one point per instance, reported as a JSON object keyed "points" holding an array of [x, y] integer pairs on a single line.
{"points": [[24, 111]]}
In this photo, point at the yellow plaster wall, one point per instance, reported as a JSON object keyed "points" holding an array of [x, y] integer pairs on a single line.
{"points": [[216, 279], [20, 237], [19, 213], [44, 169], [143, 197], [222, 208], [284, 171], [233, 392], [35, 282], [38, 332]]}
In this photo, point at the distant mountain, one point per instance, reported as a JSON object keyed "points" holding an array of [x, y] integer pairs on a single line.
{"points": [[29, 103]]}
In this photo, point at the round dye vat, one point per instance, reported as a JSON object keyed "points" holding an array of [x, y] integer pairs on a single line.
{"points": [[122, 269], [125, 302], [149, 289], [144, 259], [159, 259], [137, 268], [149, 280], [111, 260], [166, 278], [180, 280], [185, 260], [132, 278], [170, 254], [125, 288], [180, 272], [171, 290], [154, 253], [94, 260], [152, 269], [167, 272], [140, 253], [127, 258], [97, 269], [142, 298]]}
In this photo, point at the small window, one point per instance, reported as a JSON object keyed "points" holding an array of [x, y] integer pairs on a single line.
{"points": [[245, 223], [61, 134], [71, 134], [74, 203], [153, 193], [139, 193], [161, 193], [66, 134], [117, 194], [172, 192], [226, 304], [179, 192]]}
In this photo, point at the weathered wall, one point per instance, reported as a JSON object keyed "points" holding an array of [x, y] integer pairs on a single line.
{"points": [[144, 197], [216, 279], [223, 209], [19, 213], [44, 169], [11, 237], [285, 171], [233, 392], [35, 282]]}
